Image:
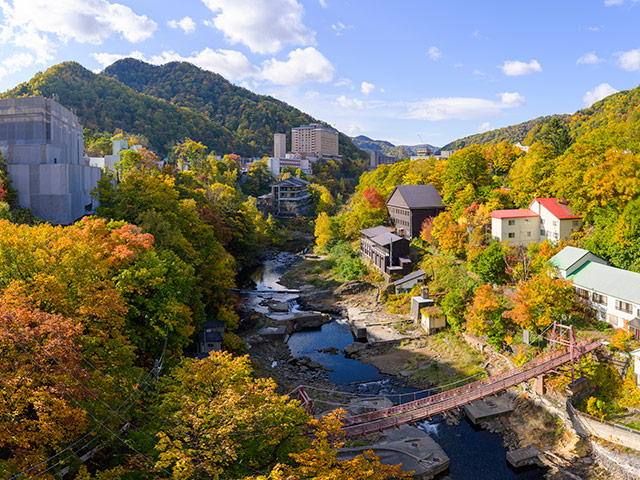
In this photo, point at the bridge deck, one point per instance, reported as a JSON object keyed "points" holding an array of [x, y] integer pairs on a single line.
{"points": [[457, 397]]}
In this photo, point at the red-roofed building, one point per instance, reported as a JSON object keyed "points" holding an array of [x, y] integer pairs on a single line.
{"points": [[546, 218]]}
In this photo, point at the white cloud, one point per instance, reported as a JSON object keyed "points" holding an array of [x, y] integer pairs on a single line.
{"points": [[594, 29], [344, 82], [35, 28], [478, 73], [610, 3], [312, 95], [106, 59], [601, 91], [485, 127], [349, 103], [629, 61], [264, 26], [340, 27], [367, 88], [303, 65], [589, 58], [515, 68], [323, 3], [434, 53], [186, 24], [462, 108], [353, 130]]}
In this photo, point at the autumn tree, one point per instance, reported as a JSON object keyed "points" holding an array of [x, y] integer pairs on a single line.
{"points": [[533, 175], [450, 236], [323, 231], [540, 301], [489, 264], [485, 316]]}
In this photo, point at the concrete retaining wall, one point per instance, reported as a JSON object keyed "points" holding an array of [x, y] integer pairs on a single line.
{"points": [[586, 425], [625, 466]]}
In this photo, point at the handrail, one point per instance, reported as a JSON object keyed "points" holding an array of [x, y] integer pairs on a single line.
{"points": [[429, 406]]}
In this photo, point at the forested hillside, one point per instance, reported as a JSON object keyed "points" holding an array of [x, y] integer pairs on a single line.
{"points": [[387, 148], [621, 106], [253, 118]]}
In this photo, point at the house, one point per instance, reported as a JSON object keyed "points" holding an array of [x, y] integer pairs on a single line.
{"points": [[407, 282], [210, 338], [291, 197], [545, 219], [384, 250], [410, 205], [42, 142], [613, 294]]}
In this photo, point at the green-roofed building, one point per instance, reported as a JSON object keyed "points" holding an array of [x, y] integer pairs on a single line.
{"points": [[613, 294]]}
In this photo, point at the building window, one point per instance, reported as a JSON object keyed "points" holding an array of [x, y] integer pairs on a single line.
{"points": [[623, 306], [582, 293], [597, 298], [542, 233], [528, 234], [574, 223], [511, 222], [555, 223], [512, 235]]}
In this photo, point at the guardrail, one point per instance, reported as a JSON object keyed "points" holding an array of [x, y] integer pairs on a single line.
{"points": [[619, 426]]}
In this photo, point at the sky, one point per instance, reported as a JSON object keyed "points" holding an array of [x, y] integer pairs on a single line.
{"points": [[406, 71]]}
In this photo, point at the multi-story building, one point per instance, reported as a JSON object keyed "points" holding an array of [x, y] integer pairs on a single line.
{"points": [[315, 140], [291, 197], [377, 158], [613, 294], [546, 218], [279, 145], [410, 205], [384, 250], [42, 142], [278, 164]]}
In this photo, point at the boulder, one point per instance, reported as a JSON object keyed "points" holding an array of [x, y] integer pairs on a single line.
{"points": [[306, 363], [308, 320], [353, 348]]}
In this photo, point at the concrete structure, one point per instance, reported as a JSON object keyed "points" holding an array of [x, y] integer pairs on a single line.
{"points": [[291, 197], [410, 205], [278, 164], [316, 140], [522, 457], [432, 319], [108, 162], [613, 294], [42, 142], [377, 158], [279, 145], [407, 282], [384, 250], [420, 302], [545, 219], [586, 425], [487, 408]]}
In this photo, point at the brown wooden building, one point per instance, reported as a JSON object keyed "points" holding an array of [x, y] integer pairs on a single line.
{"points": [[410, 205], [387, 252]]}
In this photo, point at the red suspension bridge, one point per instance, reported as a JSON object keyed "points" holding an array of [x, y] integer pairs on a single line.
{"points": [[563, 349]]}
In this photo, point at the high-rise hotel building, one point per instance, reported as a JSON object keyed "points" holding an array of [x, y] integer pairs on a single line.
{"points": [[314, 139]]}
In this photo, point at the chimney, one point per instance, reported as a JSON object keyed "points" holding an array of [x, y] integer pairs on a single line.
{"points": [[424, 292]]}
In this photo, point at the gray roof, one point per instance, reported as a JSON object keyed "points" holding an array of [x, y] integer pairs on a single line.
{"points": [[291, 182], [408, 278], [415, 196], [386, 238], [607, 280], [567, 257], [635, 323], [375, 231]]}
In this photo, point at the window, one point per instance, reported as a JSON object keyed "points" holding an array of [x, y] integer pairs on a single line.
{"points": [[574, 223], [555, 223], [623, 306], [597, 298], [526, 220], [582, 293], [512, 235], [528, 234], [542, 233], [511, 222]]}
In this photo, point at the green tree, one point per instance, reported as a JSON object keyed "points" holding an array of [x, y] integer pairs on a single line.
{"points": [[490, 265]]}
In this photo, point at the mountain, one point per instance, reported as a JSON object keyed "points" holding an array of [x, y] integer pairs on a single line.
{"points": [[388, 148], [251, 117], [169, 103], [621, 106]]}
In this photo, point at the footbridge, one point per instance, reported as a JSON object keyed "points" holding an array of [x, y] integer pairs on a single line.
{"points": [[562, 351]]}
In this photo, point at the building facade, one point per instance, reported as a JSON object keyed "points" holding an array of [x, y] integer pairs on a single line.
{"points": [[279, 145], [278, 164], [385, 251], [377, 158], [410, 205], [42, 142], [316, 140], [545, 219], [611, 293], [291, 197]]}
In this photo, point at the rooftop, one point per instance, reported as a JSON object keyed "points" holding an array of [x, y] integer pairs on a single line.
{"points": [[385, 239], [567, 256], [375, 231], [608, 280], [514, 213], [557, 207], [408, 278], [291, 182], [415, 196]]}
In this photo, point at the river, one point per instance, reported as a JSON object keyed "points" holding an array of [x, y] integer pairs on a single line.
{"points": [[473, 452]]}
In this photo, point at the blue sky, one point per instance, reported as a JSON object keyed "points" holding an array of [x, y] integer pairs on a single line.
{"points": [[396, 70]]}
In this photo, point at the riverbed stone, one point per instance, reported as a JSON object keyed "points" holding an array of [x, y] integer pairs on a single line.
{"points": [[354, 348], [308, 320]]}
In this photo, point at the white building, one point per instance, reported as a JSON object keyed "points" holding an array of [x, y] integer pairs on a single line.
{"points": [[279, 145], [613, 294], [278, 164], [546, 218], [42, 142]]}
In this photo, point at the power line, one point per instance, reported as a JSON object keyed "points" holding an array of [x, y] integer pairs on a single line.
{"points": [[72, 398]]}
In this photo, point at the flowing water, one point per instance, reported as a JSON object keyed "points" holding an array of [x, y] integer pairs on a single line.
{"points": [[474, 453]]}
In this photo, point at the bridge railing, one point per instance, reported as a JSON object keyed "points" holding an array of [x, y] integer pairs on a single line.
{"points": [[497, 382]]}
